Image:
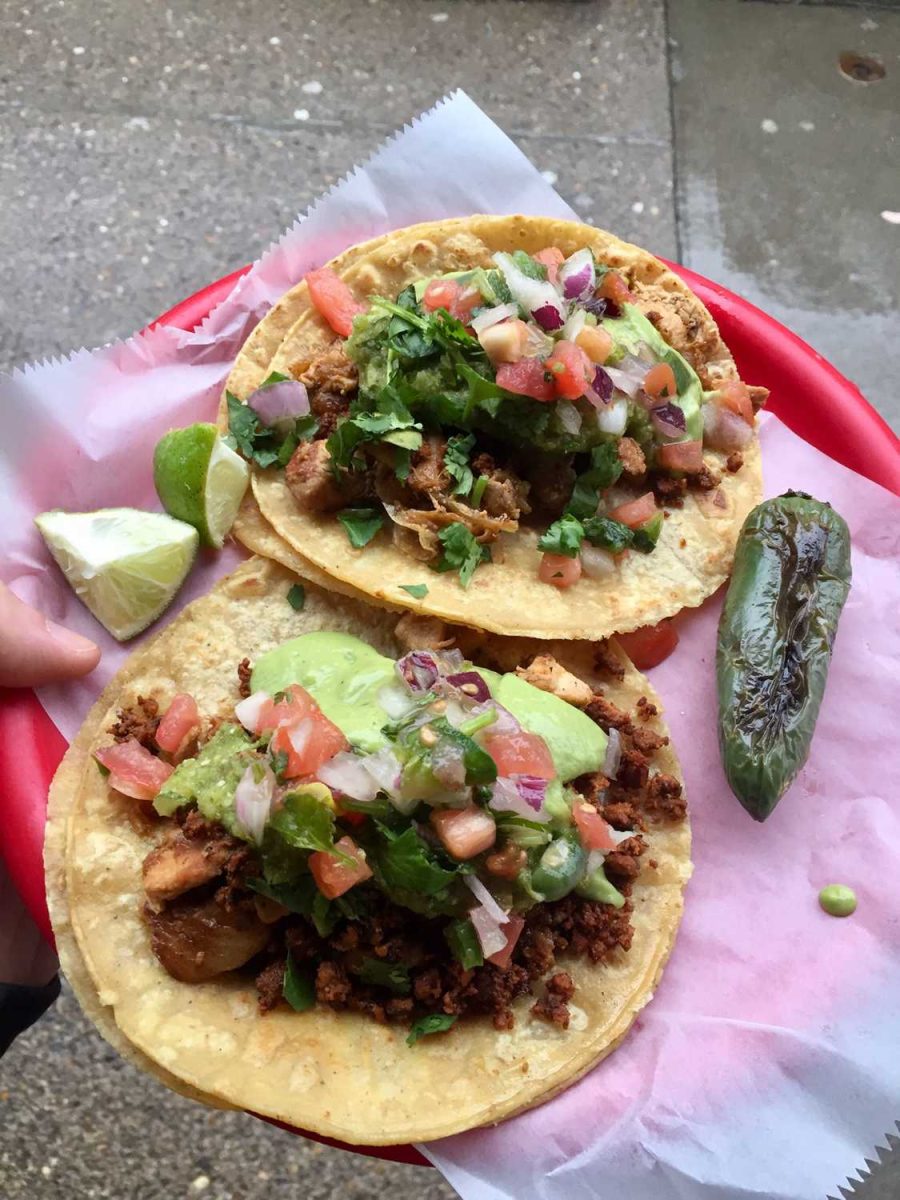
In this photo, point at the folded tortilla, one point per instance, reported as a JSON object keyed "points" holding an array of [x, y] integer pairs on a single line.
{"points": [[696, 547], [335, 1073]]}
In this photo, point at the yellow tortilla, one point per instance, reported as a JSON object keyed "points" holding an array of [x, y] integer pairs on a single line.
{"points": [[696, 548], [338, 1074]]}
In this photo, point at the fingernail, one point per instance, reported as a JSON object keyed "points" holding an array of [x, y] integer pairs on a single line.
{"points": [[69, 640]]}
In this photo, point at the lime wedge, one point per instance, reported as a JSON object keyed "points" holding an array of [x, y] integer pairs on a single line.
{"points": [[125, 565], [200, 480]]}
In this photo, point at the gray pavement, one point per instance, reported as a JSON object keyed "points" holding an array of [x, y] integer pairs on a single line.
{"points": [[147, 150]]}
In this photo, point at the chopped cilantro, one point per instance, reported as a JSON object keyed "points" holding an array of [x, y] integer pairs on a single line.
{"points": [[361, 524], [605, 469], [461, 552], [647, 535], [299, 989], [464, 945], [478, 491], [456, 462], [296, 596], [263, 444], [393, 976], [305, 821], [433, 1023], [563, 537], [418, 591]]}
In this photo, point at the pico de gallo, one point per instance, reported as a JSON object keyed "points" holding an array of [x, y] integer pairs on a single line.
{"points": [[415, 839], [534, 393]]}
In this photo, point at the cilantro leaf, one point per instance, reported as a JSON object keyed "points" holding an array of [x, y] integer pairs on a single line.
{"points": [[299, 988], [393, 976], [296, 596], [480, 767], [456, 462], [461, 552], [605, 469], [296, 896], [563, 537], [647, 535], [418, 591], [608, 534], [263, 444], [361, 524], [528, 266], [405, 862], [433, 1023], [391, 420], [304, 822]]}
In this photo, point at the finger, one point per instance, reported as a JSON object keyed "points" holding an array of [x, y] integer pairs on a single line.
{"points": [[35, 650]]}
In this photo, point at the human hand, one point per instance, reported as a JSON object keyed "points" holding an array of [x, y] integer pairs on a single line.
{"points": [[35, 650]]}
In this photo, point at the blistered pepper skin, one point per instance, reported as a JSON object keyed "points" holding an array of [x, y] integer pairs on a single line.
{"points": [[790, 580]]}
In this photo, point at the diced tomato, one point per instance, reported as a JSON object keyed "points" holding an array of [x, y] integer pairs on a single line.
{"points": [[464, 832], [295, 702], [559, 570], [333, 299], [595, 342], [467, 299], [635, 512], [594, 832], [441, 293], [681, 456], [308, 743], [520, 753], [510, 930], [552, 258], [526, 378], [613, 287], [659, 382], [333, 875], [649, 645], [181, 718], [571, 369], [735, 396], [133, 770]]}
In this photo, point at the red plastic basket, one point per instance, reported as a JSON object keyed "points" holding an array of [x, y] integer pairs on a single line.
{"points": [[807, 393]]}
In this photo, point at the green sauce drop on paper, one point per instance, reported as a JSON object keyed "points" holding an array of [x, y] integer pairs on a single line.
{"points": [[837, 900]]}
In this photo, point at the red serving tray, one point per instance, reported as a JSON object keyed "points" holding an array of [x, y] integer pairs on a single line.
{"points": [[807, 393]]}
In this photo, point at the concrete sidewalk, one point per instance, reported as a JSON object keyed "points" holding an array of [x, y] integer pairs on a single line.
{"points": [[148, 150]]}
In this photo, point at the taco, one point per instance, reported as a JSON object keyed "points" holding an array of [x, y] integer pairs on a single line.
{"points": [[374, 891], [535, 425]]}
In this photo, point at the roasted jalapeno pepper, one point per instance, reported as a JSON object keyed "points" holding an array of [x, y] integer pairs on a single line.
{"points": [[790, 580]]}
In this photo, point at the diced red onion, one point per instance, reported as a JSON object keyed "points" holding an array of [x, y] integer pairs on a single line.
{"points": [[668, 419], [249, 711], [418, 670], [489, 930], [569, 417], [280, 403], [253, 799], [612, 418], [613, 754], [346, 773], [472, 686], [538, 297], [485, 898], [577, 275], [596, 563], [599, 306], [723, 429], [493, 316], [522, 796], [628, 376], [548, 317]]}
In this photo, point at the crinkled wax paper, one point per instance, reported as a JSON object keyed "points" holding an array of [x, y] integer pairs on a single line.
{"points": [[767, 1063]]}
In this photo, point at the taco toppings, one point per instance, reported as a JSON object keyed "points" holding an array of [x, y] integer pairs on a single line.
{"points": [[414, 840], [532, 393]]}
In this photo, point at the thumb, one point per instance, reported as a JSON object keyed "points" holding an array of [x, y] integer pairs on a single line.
{"points": [[35, 650]]}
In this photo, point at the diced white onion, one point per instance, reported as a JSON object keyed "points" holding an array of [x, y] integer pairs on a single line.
{"points": [[346, 773], [493, 316], [613, 754], [253, 799], [596, 563], [569, 417], [536, 296], [248, 711], [485, 898], [488, 929], [385, 768], [395, 700], [574, 324], [613, 418]]}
